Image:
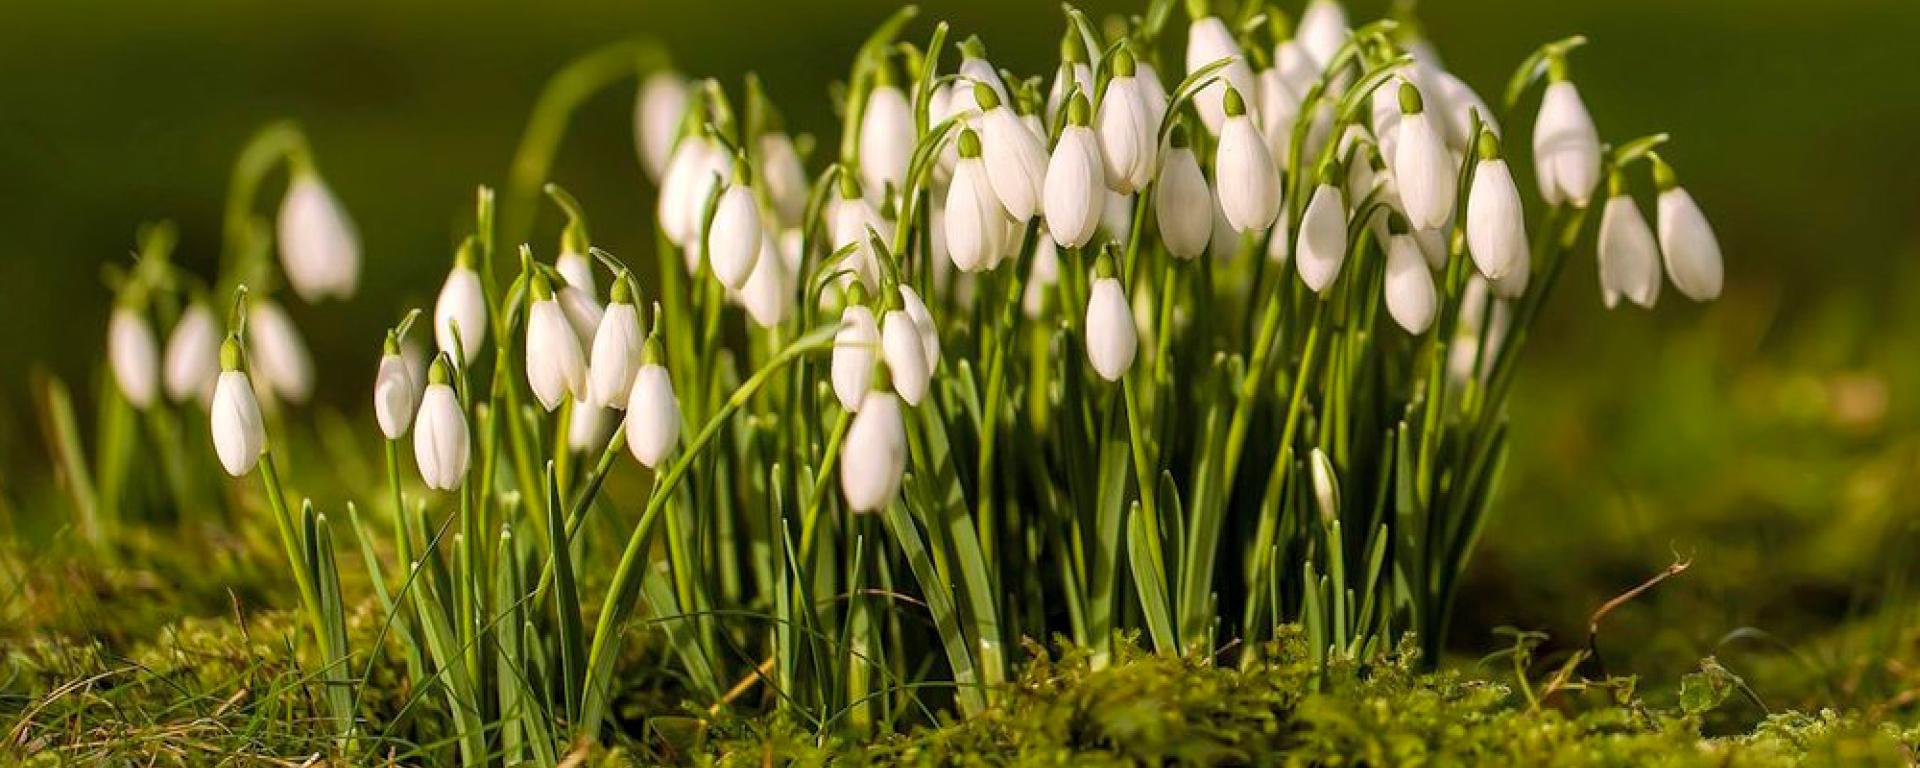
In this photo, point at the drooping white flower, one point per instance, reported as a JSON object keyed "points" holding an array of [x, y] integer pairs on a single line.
{"points": [[1128, 134], [1223, 244], [1016, 162], [134, 356], [653, 414], [1116, 222], [278, 352], [1629, 257], [239, 432], [582, 309], [855, 347], [1242, 166], [1042, 279], [589, 426], [463, 305], [1112, 338], [556, 368], [785, 177], [734, 242], [1384, 122], [1462, 104], [575, 268], [1279, 110], [1686, 239], [851, 216], [1423, 168], [699, 164], [886, 137], [875, 454], [615, 354], [657, 113], [1076, 190], [1182, 202], [1496, 227], [319, 248], [1209, 40], [1323, 29], [1322, 245], [393, 392], [923, 324], [1409, 284], [441, 444], [769, 290], [1280, 240], [976, 222], [975, 69], [906, 356], [1072, 74], [193, 355], [1566, 146], [1153, 93]]}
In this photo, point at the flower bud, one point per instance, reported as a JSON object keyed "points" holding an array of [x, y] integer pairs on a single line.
{"points": [[1496, 229], [851, 216], [1692, 251], [1129, 136], [1076, 191], [855, 348], [657, 114], [279, 353], [1016, 162], [319, 249], [733, 244], [1242, 166], [1322, 246], [699, 163], [132, 353], [653, 416], [1422, 166], [1209, 40], [1323, 29], [463, 305], [769, 290], [1409, 285], [193, 355], [1112, 339], [906, 356], [785, 177], [1566, 147], [556, 368], [615, 355], [441, 446], [239, 432], [1182, 203], [875, 454], [1628, 255], [393, 393], [886, 139], [976, 221]]}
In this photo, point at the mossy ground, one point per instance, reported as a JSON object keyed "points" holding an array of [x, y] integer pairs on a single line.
{"points": [[102, 668]]}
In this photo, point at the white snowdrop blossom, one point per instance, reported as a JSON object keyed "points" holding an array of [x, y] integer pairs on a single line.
{"points": [[1076, 192], [442, 445], [319, 247], [1244, 170], [1692, 250]]}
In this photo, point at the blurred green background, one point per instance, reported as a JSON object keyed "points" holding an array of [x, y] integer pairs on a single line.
{"points": [[1771, 436]]}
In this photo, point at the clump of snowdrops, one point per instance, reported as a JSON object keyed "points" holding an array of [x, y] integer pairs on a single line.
{"points": [[1096, 352]]}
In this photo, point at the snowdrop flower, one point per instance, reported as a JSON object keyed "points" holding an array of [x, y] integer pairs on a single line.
{"points": [[1112, 339], [393, 391], [133, 355], [1209, 40], [1322, 245], [615, 354], [1182, 202], [556, 369], [653, 413], [886, 135], [1323, 29], [1015, 160], [977, 70], [768, 292], [441, 445], [1279, 110], [923, 325], [588, 426], [1027, 103], [851, 218], [1462, 104], [855, 347], [1153, 93], [1128, 134], [1692, 251], [657, 114], [1496, 229], [1384, 122], [582, 310], [1566, 146], [906, 357], [875, 454], [1423, 168], [735, 239], [699, 164], [281, 355], [1043, 278], [573, 265], [976, 222], [1326, 484], [1410, 293], [1076, 191], [1116, 221], [193, 354], [1073, 73], [785, 177], [1249, 184], [319, 248], [1280, 240], [463, 305], [1628, 255], [239, 433]]}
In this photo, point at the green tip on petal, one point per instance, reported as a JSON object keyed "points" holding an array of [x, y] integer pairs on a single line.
{"points": [[987, 97], [1663, 176], [653, 353], [1333, 173], [441, 372], [1397, 224], [1103, 266], [463, 256], [742, 170], [1073, 50], [1557, 69], [849, 185], [1079, 112], [1410, 101], [1236, 105], [857, 294], [1178, 138], [1197, 9], [232, 357], [538, 287], [1123, 63], [1488, 146], [622, 291], [969, 144], [392, 344], [1279, 24], [882, 377], [1616, 183], [972, 48]]}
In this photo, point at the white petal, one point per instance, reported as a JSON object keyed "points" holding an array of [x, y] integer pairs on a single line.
{"points": [[1016, 162], [193, 355], [658, 111], [1692, 251], [239, 433], [1249, 182], [462, 304], [653, 417], [1322, 30], [875, 455], [1183, 204], [1628, 255], [854, 350], [1566, 147], [886, 139], [1128, 138], [279, 355], [1075, 188], [1322, 245], [319, 247], [906, 356], [1112, 339], [1424, 170], [1496, 228], [976, 223], [393, 393], [556, 368], [785, 177], [1409, 285], [734, 242], [134, 356], [1209, 40], [441, 446], [615, 357], [923, 323], [769, 290]]}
